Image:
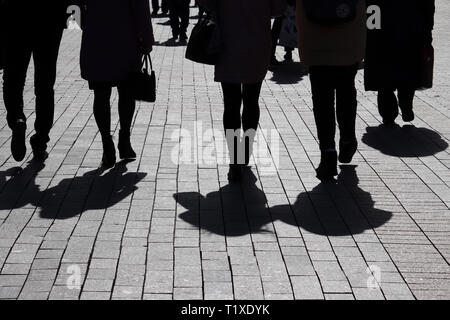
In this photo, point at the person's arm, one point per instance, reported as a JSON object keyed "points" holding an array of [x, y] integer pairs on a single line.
{"points": [[428, 12], [144, 28]]}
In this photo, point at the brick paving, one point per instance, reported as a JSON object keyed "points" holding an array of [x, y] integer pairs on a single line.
{"points": [[158, 229]]}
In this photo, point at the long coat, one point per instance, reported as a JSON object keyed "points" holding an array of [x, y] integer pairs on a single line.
{"points": [[113, 31], [247, 43], [395, 51], [337, 45]]}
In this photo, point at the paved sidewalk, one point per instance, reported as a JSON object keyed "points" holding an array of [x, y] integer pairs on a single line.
{"points": [[158, 229]]}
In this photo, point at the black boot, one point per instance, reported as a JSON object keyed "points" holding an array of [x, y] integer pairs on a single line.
{"points": [[328, 166], [39, 148], [347, 150], [235, 173], [125, 149], [109, 152], [18, 147]]}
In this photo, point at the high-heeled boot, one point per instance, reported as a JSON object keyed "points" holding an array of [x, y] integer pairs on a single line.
{"points": [[109, 152], [124, 146]]}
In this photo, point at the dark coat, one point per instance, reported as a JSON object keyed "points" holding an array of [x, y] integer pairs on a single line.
{"points": [[115, 34], [394, 53], [246, 34]]}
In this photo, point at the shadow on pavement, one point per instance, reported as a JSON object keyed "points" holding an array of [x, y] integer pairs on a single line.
{"points": [[288, 73], [97, 189], [237, 210], [407, 141]]}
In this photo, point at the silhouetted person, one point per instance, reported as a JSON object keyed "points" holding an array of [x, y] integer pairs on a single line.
{"points": [[395, 53], [33, 29], [179, 19], [116, 33], [242, 66], [333, 52]]}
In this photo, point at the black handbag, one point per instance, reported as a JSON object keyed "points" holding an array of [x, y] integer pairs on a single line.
{"points": [[204, 45], [330, 12], [144, 83]]}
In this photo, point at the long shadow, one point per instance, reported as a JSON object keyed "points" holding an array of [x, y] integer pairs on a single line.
{"points": [[407, 141], [237, 210], [288, 73], [170, 43], [95, 190]]}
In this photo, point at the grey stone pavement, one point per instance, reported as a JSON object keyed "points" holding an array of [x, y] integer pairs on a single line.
{"points": [[158, 229]]}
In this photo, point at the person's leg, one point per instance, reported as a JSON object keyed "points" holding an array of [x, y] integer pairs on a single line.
{"points": [[45, 56], [174, 18], [322, 86], [165, 6], [17, 58], [276, 30], [155, 6], [102, 114], [232, 94], [387, 105], [127, 105], [405, 102], [250, 117], [184, 17], [346, 107]]}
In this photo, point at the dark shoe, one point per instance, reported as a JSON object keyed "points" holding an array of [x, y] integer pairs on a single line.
{"points": [[328, 166], [408, 115], [347, 150], [109, 152], [388, 122], [235, 173], [39, 149], [18, 147], [183, 37], [124, 146]]}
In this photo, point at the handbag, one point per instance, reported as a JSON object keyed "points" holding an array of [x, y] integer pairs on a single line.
{"points": [[427, 68], [144, 83], [330, 12], [204, 45]]}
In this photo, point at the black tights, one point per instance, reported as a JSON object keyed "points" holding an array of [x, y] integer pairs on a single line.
{"points": [[234, 94], [102, 108]]}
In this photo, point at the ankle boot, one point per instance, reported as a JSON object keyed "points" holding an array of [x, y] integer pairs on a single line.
{"points": [[125, 149], [109, 152], [18, 147], [347, 150], [328, 166]]}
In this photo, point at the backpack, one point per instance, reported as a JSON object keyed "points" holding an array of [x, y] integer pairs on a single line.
{"points": [[330, 12]]}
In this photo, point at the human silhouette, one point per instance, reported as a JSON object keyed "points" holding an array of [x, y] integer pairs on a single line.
{"points": [[241, 68], [395, 53], [31, 29], [116, 33], [332, 47]]}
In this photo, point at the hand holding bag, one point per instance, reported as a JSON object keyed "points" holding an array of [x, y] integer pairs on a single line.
{"points": [[144, 83]]}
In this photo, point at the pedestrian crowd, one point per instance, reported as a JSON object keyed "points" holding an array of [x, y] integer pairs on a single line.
{"points": [[332, 37]]}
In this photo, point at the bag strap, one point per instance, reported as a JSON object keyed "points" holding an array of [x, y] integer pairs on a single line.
{"points": [[145, 59]]}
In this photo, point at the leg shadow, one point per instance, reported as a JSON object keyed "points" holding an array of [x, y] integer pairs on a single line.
{"points": [[95, 190]]}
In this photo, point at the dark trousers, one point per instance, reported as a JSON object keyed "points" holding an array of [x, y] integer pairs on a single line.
{"points": [[276, 31], [43, 46], [326, 83], [388, 104], [102, 108], [179, 16], [164, 6]]}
